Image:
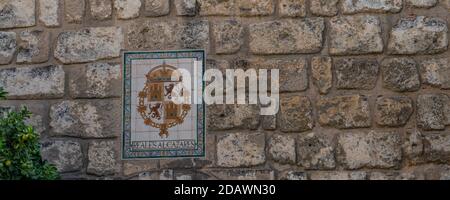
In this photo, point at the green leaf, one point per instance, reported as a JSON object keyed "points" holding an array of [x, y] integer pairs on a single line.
{"points": [[20, 156]]}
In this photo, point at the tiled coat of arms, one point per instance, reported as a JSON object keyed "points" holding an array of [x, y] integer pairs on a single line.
{"points": [[154, 125]]}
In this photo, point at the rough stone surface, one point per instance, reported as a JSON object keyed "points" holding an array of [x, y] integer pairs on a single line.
{"points": [[65, 155], [356, 73], [393, 111], [326, 8], [294, 176], [101, 158], [292, 8], [293, 73], [49, 12], [242, 174], [213, 7], [355, 35], [344, 111], [226, 117], [338, 175], [241, 150], [287, 36], [33, 47], [8, 44], [435, 72], [432, 111], [296, 114], [97, 80], [316, 151], [400, 74], [282, 149], [437, 147], [422, 3], [186, 7], [322, 73], [420, 35], [101, 9], [74, 10], [128, 9], [229, 37], [370, 150], [155, 8], [4, 110], [236, 7], [89, 44], [17, 13], [97, 119], [380, 6], [169, 35], [33, 82]]}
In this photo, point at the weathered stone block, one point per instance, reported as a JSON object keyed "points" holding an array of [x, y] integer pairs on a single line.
{"points": [[356, 73], [8, 44], [186, 7], [213, 7], [422, 3], [316, 151], [432, 111], [400, 74], [33, 82], [169, 35], [241, 150], [135, 167], [293, 73], [128, 9], [282, 149], [344, 111], [236, 7], [437, 147], [155, 8], [269, 122], [101, 9], [89, 44], [229, 37], [74, 10], [436, 72], [243, 174], [226, 117], [49, 12], [394, 111], [97, 80], [322, 74], [338, 175], [101, 158], [371, 150], [379, 6], [292, 8], [287, 36], [420, 35], [34, 47], [94, 119], [67, 156], [296, 114], [17, 13], [327, 8], [255, 7], [293, 176], [355, 35]]}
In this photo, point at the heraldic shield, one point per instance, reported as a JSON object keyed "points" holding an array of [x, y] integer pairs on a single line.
{"points": [[163, 108], [156, 103]]}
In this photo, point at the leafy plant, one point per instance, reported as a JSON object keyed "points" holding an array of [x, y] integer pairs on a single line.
{"points": [[20, 157]]}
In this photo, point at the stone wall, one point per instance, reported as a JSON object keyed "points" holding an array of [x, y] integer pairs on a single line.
{"points": [[365, 84]]}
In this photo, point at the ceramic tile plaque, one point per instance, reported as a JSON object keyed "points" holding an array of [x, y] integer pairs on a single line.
{"points": [[154, 124]]}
